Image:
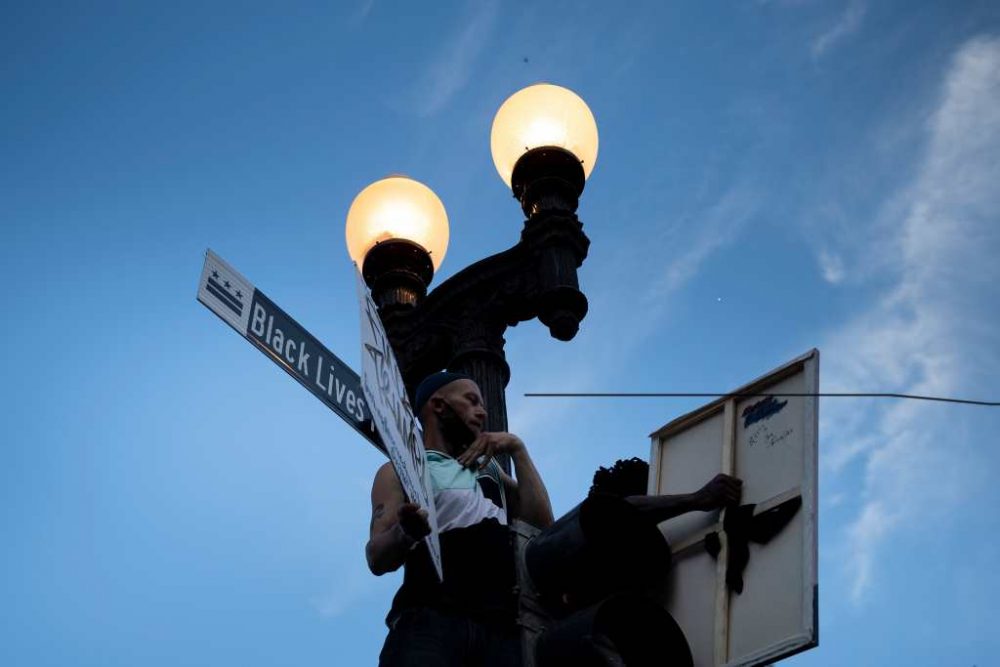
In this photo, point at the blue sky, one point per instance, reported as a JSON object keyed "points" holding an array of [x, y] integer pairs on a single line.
{"points": [[773, 176]]}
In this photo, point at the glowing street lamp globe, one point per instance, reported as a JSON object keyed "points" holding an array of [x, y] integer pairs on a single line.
{"points": [[397, 232], [542, 116], [397, 208]]}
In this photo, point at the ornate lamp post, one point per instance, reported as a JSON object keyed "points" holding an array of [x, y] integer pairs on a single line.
{"points": [[544, 144]]}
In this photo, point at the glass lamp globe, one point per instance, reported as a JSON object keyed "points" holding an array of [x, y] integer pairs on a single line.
{"points": [[397, 208], [543, 115]]}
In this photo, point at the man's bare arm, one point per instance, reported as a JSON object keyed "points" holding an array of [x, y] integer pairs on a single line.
{"points": [[528, 497], [719, 492], [396, 525]]}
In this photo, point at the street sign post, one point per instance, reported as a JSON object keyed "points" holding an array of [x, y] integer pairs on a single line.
{"points": [[272, 331], [385, 392], [743, 584]]}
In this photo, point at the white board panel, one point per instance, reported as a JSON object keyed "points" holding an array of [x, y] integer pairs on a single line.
{"points": [[770, 457], [769, 440], [694, 458], [690, 597], [771, 444]]}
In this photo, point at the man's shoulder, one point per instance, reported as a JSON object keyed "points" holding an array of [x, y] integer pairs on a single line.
{"points": [[386, 475]]}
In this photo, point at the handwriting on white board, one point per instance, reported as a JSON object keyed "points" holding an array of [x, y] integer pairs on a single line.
{"points": [[759, 413], [764, 436]]}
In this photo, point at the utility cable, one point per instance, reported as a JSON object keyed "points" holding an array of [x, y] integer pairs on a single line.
{"points": [[914, 397]]}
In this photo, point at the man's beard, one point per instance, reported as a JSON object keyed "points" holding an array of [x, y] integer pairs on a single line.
{"points": [[454, 430]]}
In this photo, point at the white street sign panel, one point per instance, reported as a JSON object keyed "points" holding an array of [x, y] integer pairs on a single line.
{"points": [[385, 392], [271, 330], [765, 433]]}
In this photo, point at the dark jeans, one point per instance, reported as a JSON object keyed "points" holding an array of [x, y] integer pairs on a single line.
{"points": [[425, 637]]}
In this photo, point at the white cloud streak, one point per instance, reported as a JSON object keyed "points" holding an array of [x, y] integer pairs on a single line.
{"points": [[362, 12], [717, 226], [847, 24], [933, 331], [832, 267], [451, 67]]}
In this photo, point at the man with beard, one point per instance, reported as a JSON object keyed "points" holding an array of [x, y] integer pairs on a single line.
{"points": [[469, 618]]}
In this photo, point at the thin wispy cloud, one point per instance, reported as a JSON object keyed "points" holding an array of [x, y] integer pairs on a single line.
{"points": [[362, 12], [846, 25], [451, 67], [715, 227], [831, 266], [929, 333]]}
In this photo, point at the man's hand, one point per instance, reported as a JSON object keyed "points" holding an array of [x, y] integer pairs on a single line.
{"points": [[412, 520], [721, 491], [396, 524], [478, 454]]}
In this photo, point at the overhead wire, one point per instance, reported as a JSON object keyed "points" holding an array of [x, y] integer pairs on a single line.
{"points": [[915, 397]]}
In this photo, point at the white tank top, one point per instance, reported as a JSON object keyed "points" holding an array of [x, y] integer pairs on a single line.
{"points": [[460, 494]]}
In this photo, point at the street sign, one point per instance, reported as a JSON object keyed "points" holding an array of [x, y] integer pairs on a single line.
{"points": [[385, 392], [743, 583], [272, 331]]}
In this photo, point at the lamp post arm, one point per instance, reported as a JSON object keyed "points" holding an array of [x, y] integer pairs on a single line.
{"points": [[460, 325], [534, 278]]}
